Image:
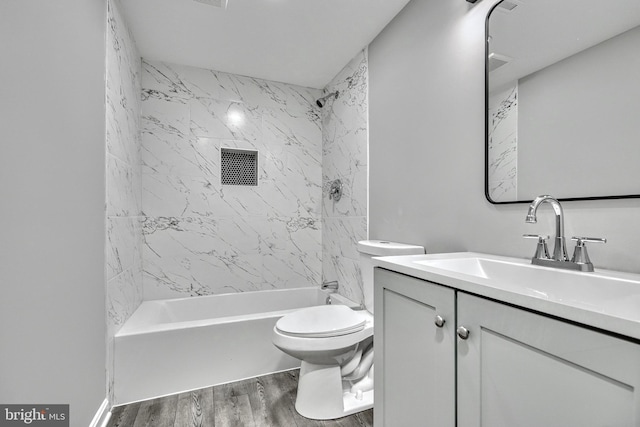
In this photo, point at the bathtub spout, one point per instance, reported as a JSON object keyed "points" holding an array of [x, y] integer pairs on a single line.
{"points": [[330, 286]]}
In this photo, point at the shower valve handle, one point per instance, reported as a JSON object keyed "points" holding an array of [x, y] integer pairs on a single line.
{"points": [[335, 192]]}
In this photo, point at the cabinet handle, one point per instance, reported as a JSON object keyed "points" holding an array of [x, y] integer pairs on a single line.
{"points": [[463, 332], [439, 321]]}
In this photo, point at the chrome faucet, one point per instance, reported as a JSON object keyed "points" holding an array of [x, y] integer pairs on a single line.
{"points": [[580, 260], [560, 246]]}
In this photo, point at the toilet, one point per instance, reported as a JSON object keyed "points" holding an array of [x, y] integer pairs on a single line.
{"points": [[335, 345]]}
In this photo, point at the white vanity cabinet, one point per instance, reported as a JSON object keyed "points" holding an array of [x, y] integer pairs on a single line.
{"points": [[515, 368], [414, 358], [523, 369]]}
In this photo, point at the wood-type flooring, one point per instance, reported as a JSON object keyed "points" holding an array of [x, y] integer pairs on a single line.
{"points": [[266, 401]]}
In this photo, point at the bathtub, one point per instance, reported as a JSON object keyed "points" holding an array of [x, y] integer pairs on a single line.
{"points": [[171, 346]]}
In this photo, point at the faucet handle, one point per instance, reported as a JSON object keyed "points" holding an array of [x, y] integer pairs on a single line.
{"points": [[542, 252], [536, 236], [580, 254], [582, 240]]}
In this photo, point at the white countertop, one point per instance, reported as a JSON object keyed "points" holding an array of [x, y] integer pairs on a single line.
{"points": [[603, 299]]}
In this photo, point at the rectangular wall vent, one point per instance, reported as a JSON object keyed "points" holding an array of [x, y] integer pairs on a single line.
{"points": [[239, 167], [507, 5], [215, 3], [496, 61]]}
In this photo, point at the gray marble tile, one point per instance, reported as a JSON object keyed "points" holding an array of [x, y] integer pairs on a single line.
{"points": [[123, 176], [291, 132], [503, 144], [345, 141], [120, 141], [292, 235], [168, 153], [122, 300], [191, 82], [121, 195], [267, 94], [345, 157], [121, 245], [291, 199], [285, 270], [204, 238], [170, 114], [340, 236], [167, 80], [123, 90], [354, 191], [225, 120], [348, 274], [198, 256], [167, 195], [503, 191]]}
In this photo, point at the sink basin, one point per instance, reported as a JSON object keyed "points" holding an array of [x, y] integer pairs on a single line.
{"points": [[474, 266], [605, 299], [606, 292]]}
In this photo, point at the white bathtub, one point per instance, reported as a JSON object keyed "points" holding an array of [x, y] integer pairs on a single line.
{"points": [[171, 346]]}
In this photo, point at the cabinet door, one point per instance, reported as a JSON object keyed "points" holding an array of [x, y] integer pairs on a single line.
{"points": [[523, 369], [414, 358]]}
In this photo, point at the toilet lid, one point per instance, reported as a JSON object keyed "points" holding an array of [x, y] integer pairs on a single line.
{"points": [[321, 322]]}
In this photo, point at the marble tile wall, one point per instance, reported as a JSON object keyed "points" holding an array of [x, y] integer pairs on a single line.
{"points": [[503, 145], [345, 157], [201, 237], [123, 269]]}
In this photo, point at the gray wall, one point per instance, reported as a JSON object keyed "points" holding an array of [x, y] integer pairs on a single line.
{"points": [[52, 308], [426, 118], [596, 93]]}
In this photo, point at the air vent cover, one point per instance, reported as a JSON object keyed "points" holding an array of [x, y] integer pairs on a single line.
{"points": [[496, 61], [239, 167], [505, 4], [215, 3]]}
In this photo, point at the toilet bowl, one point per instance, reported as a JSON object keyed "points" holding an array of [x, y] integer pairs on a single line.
{"points": [[335, 346], [327, 355]]}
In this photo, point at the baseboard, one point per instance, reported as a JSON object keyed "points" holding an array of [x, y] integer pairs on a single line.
{"points": [[101, 418]]}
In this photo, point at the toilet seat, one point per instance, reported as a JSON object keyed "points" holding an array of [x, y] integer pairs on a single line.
{"points": [[321, 322]]}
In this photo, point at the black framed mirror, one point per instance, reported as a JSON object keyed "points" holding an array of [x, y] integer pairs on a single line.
{"points": [[562, 100]]}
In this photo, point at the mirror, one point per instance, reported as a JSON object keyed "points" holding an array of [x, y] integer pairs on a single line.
{"points": [[562, 100]]}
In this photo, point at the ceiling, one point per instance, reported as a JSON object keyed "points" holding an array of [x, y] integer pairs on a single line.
{"points": [[302, 42], [538, 33]]}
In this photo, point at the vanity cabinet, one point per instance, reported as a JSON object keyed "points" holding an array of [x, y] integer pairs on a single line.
{"points": [[414, 358], [518, 368], [515, 368]]}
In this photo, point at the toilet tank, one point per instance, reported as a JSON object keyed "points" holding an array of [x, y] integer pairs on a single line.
{"points": [[374, 248]]}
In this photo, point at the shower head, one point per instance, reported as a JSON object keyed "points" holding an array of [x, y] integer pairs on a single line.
{"points": [[322, 101]]}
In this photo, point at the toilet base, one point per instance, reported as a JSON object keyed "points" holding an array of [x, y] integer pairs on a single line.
{"points": [[323, 395]]}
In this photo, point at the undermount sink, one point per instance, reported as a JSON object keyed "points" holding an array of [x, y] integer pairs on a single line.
{"points": [[611, 293]]}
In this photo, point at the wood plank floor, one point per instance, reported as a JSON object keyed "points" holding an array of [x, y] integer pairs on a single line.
{"points": [[266, 401]]}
